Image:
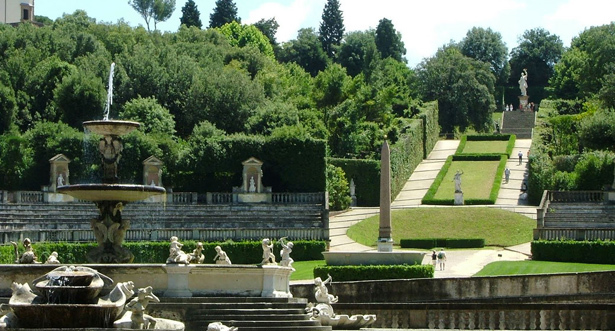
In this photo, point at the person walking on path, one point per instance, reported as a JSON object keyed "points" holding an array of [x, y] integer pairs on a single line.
{"points": [[507, 174], [434, 259], [520, 157], [442, 259]]}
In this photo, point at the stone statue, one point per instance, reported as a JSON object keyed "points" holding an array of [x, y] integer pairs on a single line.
{"points": [[217, 326], [28, 256], [137, 306], [523, 82], [252, 187], [197, 255], [287, 248], [60, 181], [321, 293], [221, 257], [457, 180], [176, 255], [53, 258], [268, 256]]}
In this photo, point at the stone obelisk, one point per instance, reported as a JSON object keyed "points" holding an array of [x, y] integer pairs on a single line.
{"points": [[385, 240]]}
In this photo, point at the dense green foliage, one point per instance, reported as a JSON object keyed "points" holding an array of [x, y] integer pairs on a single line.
{"points": [[388, 40], [191, 15], [248, 252], [429, 243], [487, 46], [372, 272], [601, 252]]}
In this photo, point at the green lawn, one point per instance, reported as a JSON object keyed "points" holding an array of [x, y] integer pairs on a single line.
{"points": [[498, 227], [305, 269], [490, 146], [507, 268], [476, 181]]}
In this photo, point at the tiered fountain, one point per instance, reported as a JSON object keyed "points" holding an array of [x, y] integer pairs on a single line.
{"points": [[110, 196]]}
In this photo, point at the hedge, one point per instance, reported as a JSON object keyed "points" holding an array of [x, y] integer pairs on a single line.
{"points": [[601, 252], [374, 272], [366, 176], [246, 252], [429, 243]]}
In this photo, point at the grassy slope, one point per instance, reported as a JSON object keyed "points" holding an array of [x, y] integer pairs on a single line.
{"points": [[505, 268], [476, 181], [498, 227], [491, 146]]}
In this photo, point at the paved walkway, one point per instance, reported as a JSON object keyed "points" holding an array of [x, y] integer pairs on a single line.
{"points": [[460, 263]]}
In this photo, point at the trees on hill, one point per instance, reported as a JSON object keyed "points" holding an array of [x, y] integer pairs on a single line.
{"points": [[538, 52], [191, 15], [224, 12], [156, 10], [388, 40], [331, 29], [486, 45]]}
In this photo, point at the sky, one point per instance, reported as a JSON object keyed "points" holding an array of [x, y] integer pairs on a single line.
{"points": [[425, 25]]}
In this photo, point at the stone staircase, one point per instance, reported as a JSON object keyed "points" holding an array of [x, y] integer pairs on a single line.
{"points": [[246, 313], [61, 221], [577, 220], [519, 123]]}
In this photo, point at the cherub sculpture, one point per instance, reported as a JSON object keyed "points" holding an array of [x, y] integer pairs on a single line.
{"points": [[221, 257], [268, 256], [176, 255], [321, 292], [28, 256], [197, 255], [137, 306], [287, 248]]}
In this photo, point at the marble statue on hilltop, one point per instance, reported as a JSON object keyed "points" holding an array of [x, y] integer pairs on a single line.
{"points": [[523, 82], [217, 326], [287, 248], [176, 255], [197, 255], [28, 256], [457, 180], [323, 311], [221, 257], [268, 256]]}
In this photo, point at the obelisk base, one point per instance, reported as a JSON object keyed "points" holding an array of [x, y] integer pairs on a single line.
{"points": [[385, 245]]}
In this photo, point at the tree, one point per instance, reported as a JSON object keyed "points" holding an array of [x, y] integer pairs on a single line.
{"points": [[306, 51], [163, 10], [331, 29], [191, 15], [158, 10], [358, 52], [463, 87], [153, 117], [269, 28], [538, 52], [247, 35], [80, 97], [388, 41], [487, 46], [225, 12]]}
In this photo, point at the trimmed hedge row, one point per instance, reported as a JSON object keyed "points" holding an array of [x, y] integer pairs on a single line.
{"points": [[429, 243], [429, 199], [246, 252], [406, 154], [601, 252], [374, 272]]}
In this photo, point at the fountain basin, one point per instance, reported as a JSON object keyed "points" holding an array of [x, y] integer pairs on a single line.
{"points": [[111, 127], [67, 315], [111, 192]]}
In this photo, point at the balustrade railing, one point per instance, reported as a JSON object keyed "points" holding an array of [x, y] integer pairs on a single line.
{"points": [[573, 234]]}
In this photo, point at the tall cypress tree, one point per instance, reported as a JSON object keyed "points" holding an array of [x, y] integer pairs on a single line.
{"points": [[331, 29], [388, 41], [225, 12], [191, 15]]}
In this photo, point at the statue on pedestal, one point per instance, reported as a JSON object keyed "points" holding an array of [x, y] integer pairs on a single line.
{"points": [[523, 82]]}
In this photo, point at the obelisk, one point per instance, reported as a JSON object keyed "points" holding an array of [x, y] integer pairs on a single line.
{"points": [[385, 240]]}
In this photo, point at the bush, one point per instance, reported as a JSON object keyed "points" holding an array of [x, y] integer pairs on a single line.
{"points": [[247, 252], [374, 272], [337, 186], [601, 252], [430, 243]]}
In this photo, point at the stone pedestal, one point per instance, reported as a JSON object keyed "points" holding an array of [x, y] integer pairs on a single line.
{"points": [[458, 198], [177, 285], [385, 245], [524, 101]]}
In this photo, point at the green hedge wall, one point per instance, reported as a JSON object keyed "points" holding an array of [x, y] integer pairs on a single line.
{"points": [[366, 176], [429, 243], [601, 252], [215, 164], [374, 272], [247, 252], [431, 129], [406, 154]]}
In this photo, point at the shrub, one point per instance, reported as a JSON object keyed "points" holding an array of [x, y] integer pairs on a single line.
{"points": [[374, 272], [601, 252]]}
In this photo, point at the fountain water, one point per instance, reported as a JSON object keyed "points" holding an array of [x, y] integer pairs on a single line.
{"points": [[110, 196]]}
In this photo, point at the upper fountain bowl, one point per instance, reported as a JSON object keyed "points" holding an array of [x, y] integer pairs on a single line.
{"points": [[111, 192], [111, 127]]}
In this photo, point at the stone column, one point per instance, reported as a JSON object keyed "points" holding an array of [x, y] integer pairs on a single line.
{"points": [[385, 240]]}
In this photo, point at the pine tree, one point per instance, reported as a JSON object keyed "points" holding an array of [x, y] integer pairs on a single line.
{"points": [[331, 29], [388, 41], [191, 15], [225, 12]]}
